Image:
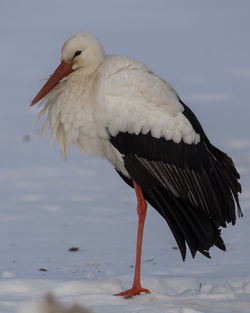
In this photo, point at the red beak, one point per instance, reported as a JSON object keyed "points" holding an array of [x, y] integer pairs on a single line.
{"points": [[64, 69]]}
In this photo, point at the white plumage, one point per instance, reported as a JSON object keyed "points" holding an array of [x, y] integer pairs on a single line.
{"points": [[117, 108], [114, 94]]}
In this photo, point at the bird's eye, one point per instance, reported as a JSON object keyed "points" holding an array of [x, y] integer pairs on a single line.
{"points": [[78, 52]]}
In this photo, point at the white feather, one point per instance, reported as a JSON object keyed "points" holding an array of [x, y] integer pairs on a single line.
{"points": [[44, 127], [111, 95]]}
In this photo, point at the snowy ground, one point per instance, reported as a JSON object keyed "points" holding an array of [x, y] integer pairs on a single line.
{"points": [[48, 206]]}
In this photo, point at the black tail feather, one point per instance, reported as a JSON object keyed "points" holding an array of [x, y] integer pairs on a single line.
{"points": [[230, 172], [186, 222]]}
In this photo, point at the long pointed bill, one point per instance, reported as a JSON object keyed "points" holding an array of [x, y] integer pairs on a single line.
{"points": [[64, 69]]}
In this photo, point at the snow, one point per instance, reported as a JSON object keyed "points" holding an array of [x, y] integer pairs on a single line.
{"points": [[48, 206]]}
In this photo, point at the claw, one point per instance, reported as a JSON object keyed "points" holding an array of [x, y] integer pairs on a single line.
{"points": [[130, 293]]}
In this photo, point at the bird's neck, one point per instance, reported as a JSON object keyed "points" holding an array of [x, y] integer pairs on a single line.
{"points": [[89, 68]]}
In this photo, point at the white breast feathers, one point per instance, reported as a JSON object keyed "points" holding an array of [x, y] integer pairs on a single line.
{"points": [[122, 95]]}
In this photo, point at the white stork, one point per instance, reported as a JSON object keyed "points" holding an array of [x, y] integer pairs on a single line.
{"points": [[116, 107]]}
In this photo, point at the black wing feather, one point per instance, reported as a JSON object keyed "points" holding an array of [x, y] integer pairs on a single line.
{"points": [[194, 187]]}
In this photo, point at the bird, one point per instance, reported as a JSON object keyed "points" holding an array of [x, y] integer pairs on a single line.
{"points": [[116, 107]]}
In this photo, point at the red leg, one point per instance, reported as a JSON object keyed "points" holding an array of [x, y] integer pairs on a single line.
{"points": [[141, 211]]}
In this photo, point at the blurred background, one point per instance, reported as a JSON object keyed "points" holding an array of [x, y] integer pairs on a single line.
{"points": [[201, 48]]}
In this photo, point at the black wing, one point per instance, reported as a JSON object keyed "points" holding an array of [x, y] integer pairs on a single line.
{"points": [[194, 187]]}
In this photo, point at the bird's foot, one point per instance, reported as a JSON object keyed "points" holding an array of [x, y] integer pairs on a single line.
{"points": [[130, 293]]}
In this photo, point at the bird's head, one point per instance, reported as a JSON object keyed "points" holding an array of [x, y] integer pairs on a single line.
{"points": [[81, 51]]}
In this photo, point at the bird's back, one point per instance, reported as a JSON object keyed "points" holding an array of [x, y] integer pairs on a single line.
{"points": [[191, 183]]}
